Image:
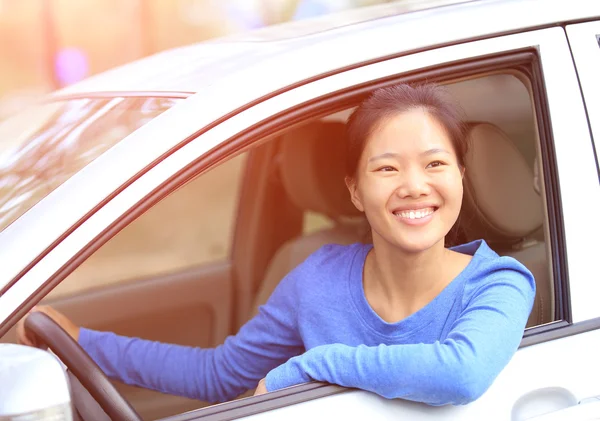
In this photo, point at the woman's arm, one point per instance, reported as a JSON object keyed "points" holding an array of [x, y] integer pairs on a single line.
{"points": [[456, 370], [213, 375]]}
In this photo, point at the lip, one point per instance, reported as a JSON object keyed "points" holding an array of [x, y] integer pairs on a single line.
{"points": [[415, 222], [415, 206]]}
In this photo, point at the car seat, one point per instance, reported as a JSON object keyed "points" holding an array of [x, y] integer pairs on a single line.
{"points": [[312, 169], [502, 206]]}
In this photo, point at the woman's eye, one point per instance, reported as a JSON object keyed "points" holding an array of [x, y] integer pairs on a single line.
{"points": [[435, 164], [386, 169]]}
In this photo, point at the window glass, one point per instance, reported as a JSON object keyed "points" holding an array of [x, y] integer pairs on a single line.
{"points": [[190, 227], [42, 147]]}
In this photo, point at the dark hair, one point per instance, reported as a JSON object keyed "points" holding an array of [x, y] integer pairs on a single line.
{"points": [[386, 102]]}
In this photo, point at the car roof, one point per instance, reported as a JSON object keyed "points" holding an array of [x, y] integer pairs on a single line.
{"points": [[187, 69]]}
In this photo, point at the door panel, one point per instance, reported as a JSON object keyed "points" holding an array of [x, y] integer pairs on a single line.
{"points": [[155, 308], [190, 308]]}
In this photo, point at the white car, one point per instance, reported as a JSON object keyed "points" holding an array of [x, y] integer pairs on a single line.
{"points": [[165, 199]]}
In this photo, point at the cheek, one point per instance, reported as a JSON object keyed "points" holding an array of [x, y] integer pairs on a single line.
{"points": [[376, 191], [451, 187]]}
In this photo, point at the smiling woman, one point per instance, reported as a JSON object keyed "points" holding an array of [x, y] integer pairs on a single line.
{"points": [[407, 150]]}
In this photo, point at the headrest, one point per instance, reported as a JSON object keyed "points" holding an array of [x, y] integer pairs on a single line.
{"points": [[313, 162], [499, 186]]}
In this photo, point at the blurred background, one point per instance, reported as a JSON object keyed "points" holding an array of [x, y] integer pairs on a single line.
{"points": [[48, 44]]}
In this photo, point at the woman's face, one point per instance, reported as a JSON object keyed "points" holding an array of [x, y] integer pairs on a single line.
{"points": [[408, 182]]}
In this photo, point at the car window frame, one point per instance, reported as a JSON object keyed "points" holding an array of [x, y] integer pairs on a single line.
{"points": [[201, 154], [584, 39]]}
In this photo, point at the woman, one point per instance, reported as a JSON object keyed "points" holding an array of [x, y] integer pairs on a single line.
{"points": [[403, 317]]}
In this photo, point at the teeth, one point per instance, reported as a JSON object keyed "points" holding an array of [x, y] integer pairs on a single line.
{"points": [[415, 214]]}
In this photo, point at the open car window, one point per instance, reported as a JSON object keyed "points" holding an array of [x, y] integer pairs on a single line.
{"points": [[41, 147], [158, 273]]}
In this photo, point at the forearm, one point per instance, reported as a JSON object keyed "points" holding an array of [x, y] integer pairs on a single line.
{"points": [[436, 374], [174, 369]]}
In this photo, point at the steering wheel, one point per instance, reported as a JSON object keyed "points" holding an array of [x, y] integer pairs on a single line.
{"points": [[92, 378]]}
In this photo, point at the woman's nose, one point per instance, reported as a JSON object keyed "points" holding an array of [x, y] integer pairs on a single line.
{"points": [[413, 184]]}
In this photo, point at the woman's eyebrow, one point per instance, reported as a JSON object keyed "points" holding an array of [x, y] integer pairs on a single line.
{"points": [[384, 155], [434, 151], [395, 155]]}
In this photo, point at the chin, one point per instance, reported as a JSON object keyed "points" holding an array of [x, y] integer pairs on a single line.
{"points": [[413, 245]]}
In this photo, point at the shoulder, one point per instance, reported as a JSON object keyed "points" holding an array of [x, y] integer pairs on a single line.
{"points": [[488, 270], [331, 259], [333, 254], [312, 283], [318, 276], [327, 264]]}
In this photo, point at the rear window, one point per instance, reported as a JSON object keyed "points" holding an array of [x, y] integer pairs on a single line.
{"points": [[42, 147]]}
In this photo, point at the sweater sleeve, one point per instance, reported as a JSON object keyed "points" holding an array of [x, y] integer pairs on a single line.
{"points": [[455, 370], [212, 375]]}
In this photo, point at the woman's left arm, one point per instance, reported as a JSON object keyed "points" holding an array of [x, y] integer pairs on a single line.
{"points": [[455, 370]]}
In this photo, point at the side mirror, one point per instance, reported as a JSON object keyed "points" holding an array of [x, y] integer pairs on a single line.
{"points": [[33, 385]]}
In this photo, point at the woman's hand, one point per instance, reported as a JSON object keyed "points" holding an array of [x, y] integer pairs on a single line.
{"points": [[261, 389], [71, 328]]}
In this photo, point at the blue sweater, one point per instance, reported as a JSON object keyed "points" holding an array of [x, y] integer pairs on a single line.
{"points": [[318, 325]]}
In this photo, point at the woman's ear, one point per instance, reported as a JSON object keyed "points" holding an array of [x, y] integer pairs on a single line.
{"points": [[462, 172], [352, 188]]}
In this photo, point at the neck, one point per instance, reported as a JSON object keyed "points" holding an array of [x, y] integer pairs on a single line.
{"points": [[405, 279]]}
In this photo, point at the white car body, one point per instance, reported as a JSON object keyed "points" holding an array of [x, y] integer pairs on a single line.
{"points": [[234, 84]]}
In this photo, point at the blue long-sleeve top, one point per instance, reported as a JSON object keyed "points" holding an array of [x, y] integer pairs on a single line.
{"points": [[318, 325]]}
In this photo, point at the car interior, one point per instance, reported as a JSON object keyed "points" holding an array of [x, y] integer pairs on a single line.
{"points": [[198, 265]]}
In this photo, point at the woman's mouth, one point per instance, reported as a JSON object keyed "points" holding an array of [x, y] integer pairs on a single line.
{"points": [[415, 216]]}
